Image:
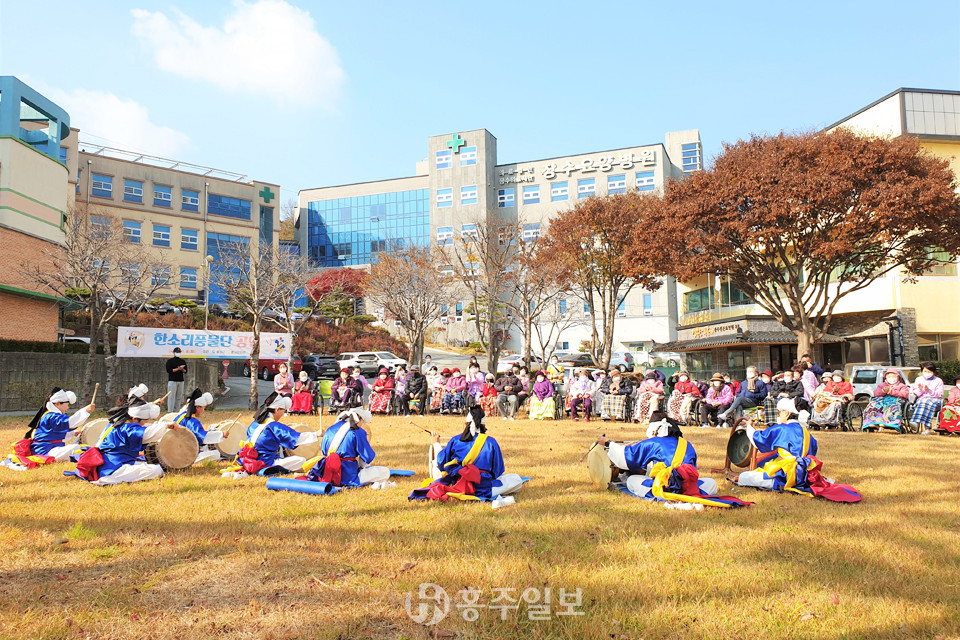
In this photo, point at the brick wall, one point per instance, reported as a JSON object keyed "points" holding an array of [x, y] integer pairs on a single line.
{"points": [[23, 318], [25, 378]]}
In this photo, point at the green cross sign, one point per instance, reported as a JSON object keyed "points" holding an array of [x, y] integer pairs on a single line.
{"points": [[267, 195], [455, 143]]}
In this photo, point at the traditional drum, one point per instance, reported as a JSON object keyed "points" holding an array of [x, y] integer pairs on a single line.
{"points": [[169, 418], [601, 471], [234, 432], [308, 451], [177, 449], [740, 449], [92, 431], [432, 468]]}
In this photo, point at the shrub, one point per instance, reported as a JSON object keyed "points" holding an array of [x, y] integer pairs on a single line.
{"points": [[948, 370], [477, 347]]}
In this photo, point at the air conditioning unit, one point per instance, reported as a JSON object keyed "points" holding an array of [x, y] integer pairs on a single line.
{"points": [[648, 312]]}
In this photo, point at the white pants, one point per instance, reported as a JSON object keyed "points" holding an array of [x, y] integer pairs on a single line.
{"points": [[290, 463], [207, 454], [755, 479], [373, 474], [62, 453], [636, 486], [510, 483], [131, 473]]}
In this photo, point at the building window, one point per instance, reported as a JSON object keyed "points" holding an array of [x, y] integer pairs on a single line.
{"points": [[133, 191], [444, 159], [586, 308], [943, 266], [469, 233], [378, 245], [563, 306], [617, 184], [188, 278], [131, 231], [645, 181], [162, 196], [558, 191], [564, 345], [99, 227], [161, 235], [444, 235], [342, 250], [459, 312], [159, 275], [228, 207], [622, 309], [189, 200], [188, 239], [586, 187], [101, 186], [506, 198], [531, 232], [531, 194], [647, 304], [692, 157], [444, 198], [63, 155], [468, 194], [468, 156]]}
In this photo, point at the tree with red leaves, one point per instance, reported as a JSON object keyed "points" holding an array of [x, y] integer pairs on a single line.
{"points": [[798, 222], [336, 290]]}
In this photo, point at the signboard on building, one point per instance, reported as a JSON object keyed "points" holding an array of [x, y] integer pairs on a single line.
{"points": [[144, 342], [715, 330]]}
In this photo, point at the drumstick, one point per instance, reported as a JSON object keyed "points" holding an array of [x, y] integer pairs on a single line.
{"points": [[159, 401], [419, 427], [96, 388], [595, 443], [232, 422]]}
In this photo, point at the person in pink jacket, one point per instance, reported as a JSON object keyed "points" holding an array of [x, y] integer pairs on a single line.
{"points": [[949, 422], [884, 410], [649, 393], [928, 393], [719, 398], [454, 393]]}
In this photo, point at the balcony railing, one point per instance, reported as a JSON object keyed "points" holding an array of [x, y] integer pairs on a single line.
{"points": [[717, 313]]}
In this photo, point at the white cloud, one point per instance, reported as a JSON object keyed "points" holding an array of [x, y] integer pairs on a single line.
{"points": [[105, 118], [264, 48]]}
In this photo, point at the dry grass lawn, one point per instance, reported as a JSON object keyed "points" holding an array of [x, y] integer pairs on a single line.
{"points": [[193, 555]]}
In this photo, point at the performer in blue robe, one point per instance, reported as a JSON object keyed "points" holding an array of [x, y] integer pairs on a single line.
{"points": [[189, 417], [664, 467], [788, 461], [121, 444], [472, 466], [52, 433], [345, 453], [265, 437]]}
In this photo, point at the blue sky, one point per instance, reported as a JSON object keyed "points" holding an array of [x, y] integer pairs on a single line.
{"points": [[311, 94]]}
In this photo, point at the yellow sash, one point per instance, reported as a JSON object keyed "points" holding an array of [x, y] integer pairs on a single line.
{"points": [[661, 479], [787, 462], [470, 458]]}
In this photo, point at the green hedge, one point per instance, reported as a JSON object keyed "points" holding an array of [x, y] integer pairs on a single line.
{"points": [[948, 370], [31, 346]]}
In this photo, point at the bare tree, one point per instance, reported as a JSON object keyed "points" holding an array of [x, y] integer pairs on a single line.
{"points": [[250, 280], [482, 260], [288, 219], [101, 267], [293, 277], [409, 285]]}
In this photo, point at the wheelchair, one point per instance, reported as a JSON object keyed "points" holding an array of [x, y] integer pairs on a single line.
{"points": [[352, 401]]}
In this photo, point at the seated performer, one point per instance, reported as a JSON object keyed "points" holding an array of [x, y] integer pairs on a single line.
{"points": [[189, 417], [664, 466], [345, 453], [790, 463], [266, 436], [472, 466], [116, 458], [51, 433]]}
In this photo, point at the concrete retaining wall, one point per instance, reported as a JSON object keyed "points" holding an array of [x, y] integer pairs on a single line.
{"points": [[26, 378]]}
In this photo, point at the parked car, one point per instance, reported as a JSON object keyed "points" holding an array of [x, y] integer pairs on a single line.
{"points": [[268, 367], [320, 366], [577, 361], [866, 377], [622, 360], [222, 310], [368, 361], [390, 360], [506, 362], [658, 359]]}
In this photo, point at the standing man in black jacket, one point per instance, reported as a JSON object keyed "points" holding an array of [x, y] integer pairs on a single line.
{"points": [[176, 367], [416, 390]]}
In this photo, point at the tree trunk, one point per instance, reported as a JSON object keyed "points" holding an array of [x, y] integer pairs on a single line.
{"points": [[608, 336], [527, 347], [804, 341], [255, 368], [109, 361], [91, 356]]}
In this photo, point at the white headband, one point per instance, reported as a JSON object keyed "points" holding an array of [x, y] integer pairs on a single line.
{"points": [[63, 396], [204, 400], [137, 392], [144, 411], [358, 414], [659, 429], [282, 402]]}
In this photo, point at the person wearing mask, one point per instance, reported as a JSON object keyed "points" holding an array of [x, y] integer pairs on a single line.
{"points": [[381, 392], [616, 391], [415, 395], [399, 387], [488, 396], [454, 393], [302, 400], [581, 395], [555, 372], [439, 389], [684, 394], [808, 379], [751, 394], [364, 384], [719, 398], [176, 367], [829, 400], [649, 393], [524, 386], [475, 380], [884, 410], [599, 378], [283, 382], [783, 387], [508, 388], [346, 392], [427, 363], [734, 384], [949, 422], [928, 393], [767, 377], [542, 405]]}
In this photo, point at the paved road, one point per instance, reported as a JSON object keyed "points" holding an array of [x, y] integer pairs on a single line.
{"points": [[238, 392]]}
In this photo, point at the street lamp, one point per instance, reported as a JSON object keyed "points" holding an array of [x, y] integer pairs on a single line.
{"points": [[206, 288]]}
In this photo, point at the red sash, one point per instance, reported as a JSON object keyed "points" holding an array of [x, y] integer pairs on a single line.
{"points": [[469, 475], [88, 464], [249, 459], [21, 451]]}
